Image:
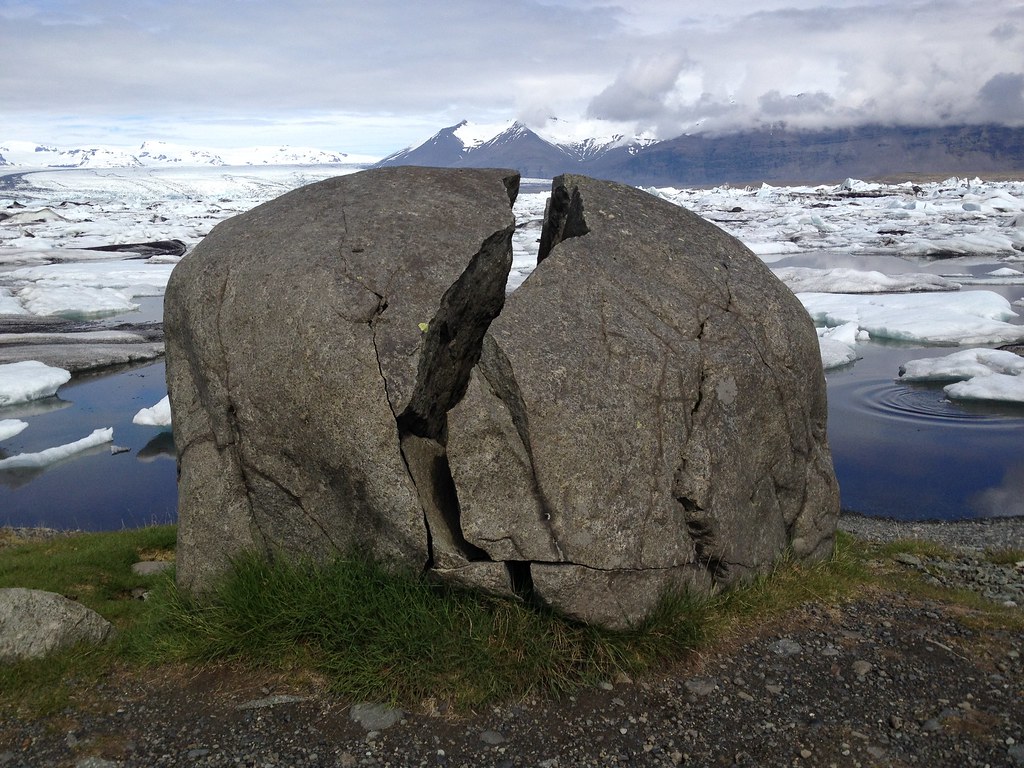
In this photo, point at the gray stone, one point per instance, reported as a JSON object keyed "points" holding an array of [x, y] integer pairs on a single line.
{"points": [[34, 623], [299, 333], [648, 412], [1016, 754], [375, 717], [701, 686], [645, 413], [785, 647], [151, 567], [861, 667], [492, 738]]}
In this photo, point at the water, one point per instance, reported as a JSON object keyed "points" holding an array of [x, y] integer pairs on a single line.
{"points": [[900, 450], [96, 490], [905, 451]]}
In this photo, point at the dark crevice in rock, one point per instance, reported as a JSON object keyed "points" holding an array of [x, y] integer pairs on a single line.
{"points": [[521, 579], [427, 463], [450, 350], [563, 219], [700, 530], [452, 342]]}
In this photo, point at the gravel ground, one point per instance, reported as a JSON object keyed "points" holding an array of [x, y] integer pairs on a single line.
{"points": [[885, 680]]}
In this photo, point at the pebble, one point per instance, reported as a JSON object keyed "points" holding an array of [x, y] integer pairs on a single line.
{"points": [[492, 737], [785, 647], [375, 717], [701, 686], [861, 667]]}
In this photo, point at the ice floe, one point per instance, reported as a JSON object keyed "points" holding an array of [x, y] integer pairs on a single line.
{"points": [[11, 427], [965, 317], [58, 453], [838, 344], [978, 374], [157, 416], [29, 380], [844, 280], [87, 289]]}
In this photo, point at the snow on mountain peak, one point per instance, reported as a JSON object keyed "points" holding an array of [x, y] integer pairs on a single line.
{"points": [[473, 135]]}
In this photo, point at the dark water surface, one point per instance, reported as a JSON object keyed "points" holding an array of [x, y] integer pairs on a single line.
{"points": [[94, 490], [900, 450], [905, 451]]}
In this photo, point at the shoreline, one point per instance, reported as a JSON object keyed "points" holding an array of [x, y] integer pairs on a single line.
{"points": [[972, 535]]}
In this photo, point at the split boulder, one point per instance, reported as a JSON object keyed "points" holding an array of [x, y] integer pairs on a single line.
{"points": [[647, 411]]}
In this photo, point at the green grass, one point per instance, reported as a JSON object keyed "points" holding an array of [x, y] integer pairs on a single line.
{"points": [[375, 634], [92, 568], [919, 547], [370, 633], [1005, 556]]}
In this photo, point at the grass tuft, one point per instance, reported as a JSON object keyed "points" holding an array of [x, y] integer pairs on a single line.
{"points": [[377, 634], [1005, 556]]}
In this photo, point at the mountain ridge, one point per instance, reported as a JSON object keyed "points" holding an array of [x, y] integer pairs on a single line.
{"points": [[769, 155], [775, 155]]}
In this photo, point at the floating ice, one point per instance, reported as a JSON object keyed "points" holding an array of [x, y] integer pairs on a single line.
{"points": [[837, 344], [842, 280], [29, 380], [965, 317], [1005, 272], [11, 427], [88, 289], [59, 452], [980, 374], [965, 364], [997, 386], [157, 416], [9, 305]]}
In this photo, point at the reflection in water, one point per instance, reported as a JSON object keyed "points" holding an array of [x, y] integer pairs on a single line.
{"points": [[160, 447], [1006, 499], [95, 490], [34, 408], [19, 476], [905, 451]]}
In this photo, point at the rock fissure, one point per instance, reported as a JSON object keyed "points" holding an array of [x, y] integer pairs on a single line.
{"points": [[590, 448]]}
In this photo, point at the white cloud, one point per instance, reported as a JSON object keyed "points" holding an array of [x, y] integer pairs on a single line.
{"points": [[351, 75]]}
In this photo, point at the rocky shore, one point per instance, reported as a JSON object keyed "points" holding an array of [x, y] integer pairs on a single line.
{"points": [[886, 679]]}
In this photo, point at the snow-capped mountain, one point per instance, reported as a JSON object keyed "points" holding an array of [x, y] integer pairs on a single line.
{"points": [[772, 154], [162, 154], [560, 148]]}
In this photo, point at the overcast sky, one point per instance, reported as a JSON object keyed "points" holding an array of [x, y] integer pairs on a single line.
{"points": [[373, 76]]}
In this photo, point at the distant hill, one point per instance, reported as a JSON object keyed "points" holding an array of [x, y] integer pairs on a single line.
{"points": [[774, 156], [162, 154]]}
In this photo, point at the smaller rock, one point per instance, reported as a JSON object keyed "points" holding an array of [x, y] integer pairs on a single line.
{"points": [[151, 567], [861, 667], [785, 647], [701, 686], [34, 623], [492, 737], [1016, 754], [375, 717]]}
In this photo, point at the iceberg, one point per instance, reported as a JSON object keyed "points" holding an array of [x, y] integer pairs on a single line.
{"points": [[59, 452], [965, 317], [11, 427], [978, 374], [843, 280], [29, 380], [157, 416]]}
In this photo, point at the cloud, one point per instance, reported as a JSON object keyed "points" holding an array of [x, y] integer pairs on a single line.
{"points": [[640, 90], [386, 68], [1001, 99]]}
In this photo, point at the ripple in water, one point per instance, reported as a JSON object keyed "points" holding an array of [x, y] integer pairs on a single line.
{"points": [[924, 402]]}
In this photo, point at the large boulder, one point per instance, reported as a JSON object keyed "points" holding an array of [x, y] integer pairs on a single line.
{"points": [[35, 623], [647, 411]]}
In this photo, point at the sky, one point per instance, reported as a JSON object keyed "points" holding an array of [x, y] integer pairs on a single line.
{"points": [[374, 76]]}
